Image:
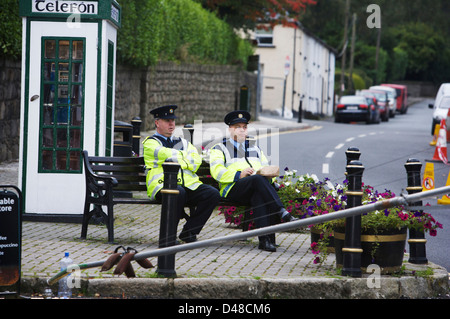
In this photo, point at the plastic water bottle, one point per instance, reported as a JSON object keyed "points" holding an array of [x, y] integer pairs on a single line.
{"points": [[64, 290], [48, 294]]}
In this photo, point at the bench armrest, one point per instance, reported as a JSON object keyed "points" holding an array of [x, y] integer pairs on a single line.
{"points": [[94, 182]]}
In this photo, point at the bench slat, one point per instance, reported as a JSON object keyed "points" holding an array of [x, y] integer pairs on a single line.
{"points": [[130, 180], [131, 187], [117, 168], [125, 178], [116, 160], [120, 200]]}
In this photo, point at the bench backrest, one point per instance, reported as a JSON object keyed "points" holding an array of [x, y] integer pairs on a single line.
{"points": [[130, 172]]}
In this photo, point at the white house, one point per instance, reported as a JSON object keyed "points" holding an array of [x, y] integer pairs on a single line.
{"points": [[294, 66]]}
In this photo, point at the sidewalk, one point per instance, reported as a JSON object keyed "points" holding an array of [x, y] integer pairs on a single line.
{"points": [[229, 270]]}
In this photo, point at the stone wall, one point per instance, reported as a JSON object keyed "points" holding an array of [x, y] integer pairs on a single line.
{"points": [[10, 73], [202, 92]]}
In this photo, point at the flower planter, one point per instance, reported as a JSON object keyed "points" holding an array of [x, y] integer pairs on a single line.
{"points": [[316, 235], [385, 250]]}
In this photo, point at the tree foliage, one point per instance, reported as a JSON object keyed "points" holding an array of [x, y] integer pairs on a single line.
{"points": [[423, 47], [414, 36], [247, 13]]}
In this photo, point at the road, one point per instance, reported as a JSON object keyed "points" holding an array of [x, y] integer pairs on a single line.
{"points": [[384, 148]]}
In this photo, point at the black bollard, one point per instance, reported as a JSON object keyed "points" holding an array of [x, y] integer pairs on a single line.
{"points": [[352, 154], [300, 112], [169, 219], [190, 135], [136, 122], [352, 243], [416, 241]]}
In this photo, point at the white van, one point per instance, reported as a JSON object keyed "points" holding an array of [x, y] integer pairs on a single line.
{"points": [[441, 105], [392, 96]]}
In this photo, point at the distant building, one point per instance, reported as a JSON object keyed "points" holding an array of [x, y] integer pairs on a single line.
{"points": [[295, 66]]}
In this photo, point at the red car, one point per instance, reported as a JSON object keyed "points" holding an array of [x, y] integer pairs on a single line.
{"points": [[382, 101], [402, 95]]}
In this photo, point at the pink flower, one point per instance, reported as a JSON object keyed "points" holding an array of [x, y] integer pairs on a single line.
{"points": [[313, 248]]}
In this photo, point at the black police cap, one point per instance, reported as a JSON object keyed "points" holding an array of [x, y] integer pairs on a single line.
{"points": [[237, 117], [164, 112]]}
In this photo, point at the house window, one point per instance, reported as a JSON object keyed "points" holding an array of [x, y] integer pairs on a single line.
{"points": [[264, 38]]}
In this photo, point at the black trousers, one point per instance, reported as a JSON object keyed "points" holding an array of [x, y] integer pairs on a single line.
{"points": [[205, 198], [257, 192]]}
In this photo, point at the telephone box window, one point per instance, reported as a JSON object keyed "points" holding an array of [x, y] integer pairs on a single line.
{"points": [[62, 105]]}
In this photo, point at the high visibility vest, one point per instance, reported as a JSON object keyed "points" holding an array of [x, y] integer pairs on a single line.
{"points": [[183, 152], [226, 163]]}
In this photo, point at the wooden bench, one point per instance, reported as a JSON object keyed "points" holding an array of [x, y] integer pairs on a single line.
{"points": [[117, 180]]}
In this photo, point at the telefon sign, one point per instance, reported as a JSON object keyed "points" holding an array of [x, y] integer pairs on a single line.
{"points": [[64, 6]]}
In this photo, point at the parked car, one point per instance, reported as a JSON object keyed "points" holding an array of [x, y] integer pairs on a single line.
{"points": [[444, 89], [440, 106], [402, 96], [392, 97], [357, 108], [382, 101]]}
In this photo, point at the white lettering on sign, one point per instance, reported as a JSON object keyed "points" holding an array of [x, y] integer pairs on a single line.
{"points": [[114, 13], [64, 6], [6, 204]]}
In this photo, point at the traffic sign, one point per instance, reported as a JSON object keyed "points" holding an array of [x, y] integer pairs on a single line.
{"points": [[287, 66]]}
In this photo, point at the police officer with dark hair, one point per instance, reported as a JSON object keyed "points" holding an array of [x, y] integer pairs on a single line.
{"points": [[162, 146], [234, 164]]}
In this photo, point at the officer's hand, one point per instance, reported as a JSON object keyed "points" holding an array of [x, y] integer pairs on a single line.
{"points": [[247, 172]]}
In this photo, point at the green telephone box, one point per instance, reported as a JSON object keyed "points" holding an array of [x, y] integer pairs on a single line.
{"points": [[67, 103]]}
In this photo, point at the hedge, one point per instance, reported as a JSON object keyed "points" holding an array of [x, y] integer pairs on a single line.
{"points": [[176, 30], [10, 29]]}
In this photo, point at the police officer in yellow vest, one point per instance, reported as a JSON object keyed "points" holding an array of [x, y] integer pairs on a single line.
{"points": [[234, 163], [162, 146]]}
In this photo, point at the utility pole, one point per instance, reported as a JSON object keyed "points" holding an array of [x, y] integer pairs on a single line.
{"points": [[377, 50], [347, 8], [352, 54]]}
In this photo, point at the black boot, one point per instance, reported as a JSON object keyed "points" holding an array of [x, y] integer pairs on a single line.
{"points": [[266, 244], [187, 237], [273, 240], [286, 216]]}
